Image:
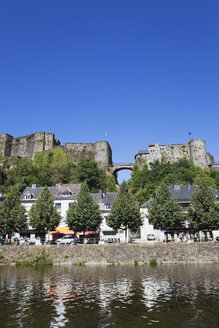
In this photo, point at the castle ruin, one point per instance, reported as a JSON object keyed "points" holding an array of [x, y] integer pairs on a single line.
{"points": [[194, 150], [100, 151], [27, 146]]}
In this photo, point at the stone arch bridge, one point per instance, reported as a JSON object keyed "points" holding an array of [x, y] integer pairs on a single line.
{"points": [[120, 166]]}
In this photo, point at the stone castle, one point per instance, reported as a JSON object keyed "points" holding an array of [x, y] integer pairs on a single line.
{"points": [[100, 151], [194, 150], [27, 146]]}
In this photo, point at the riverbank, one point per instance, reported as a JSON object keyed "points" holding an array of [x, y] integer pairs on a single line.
{"points": [[113, 253]]}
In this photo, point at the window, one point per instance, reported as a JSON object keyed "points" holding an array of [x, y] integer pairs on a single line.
{"points": [[58, 206], [69, 205], [66, 194], [108, 206], [28, 196]]}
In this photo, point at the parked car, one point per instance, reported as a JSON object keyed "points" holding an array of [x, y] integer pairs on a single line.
{"points": [[150, 236], [26, 241], [2, 240], [217, 238], [66, 240]]}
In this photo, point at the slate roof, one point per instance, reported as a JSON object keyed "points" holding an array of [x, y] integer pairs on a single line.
{"points": [[107, 199], [181, 193], [143, 151], [56, 191]]}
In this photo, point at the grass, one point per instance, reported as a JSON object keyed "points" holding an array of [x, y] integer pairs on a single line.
{"points": [[38, 260], [23, 262], [1, 258], [139, 262], [153, 261], [52, 158]]}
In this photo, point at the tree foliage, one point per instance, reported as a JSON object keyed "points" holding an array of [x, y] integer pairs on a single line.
{"points": [[125, 213], [43, 214], [165, 212], [145, 181], [12, 213], [48, 170], [84, 215], [203, 212]]}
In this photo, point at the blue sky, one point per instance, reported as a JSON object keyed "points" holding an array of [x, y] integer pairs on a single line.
{"points": [[142, 71]]}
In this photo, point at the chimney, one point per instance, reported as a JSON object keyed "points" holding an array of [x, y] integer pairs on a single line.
{"points": [[176, 186], [188, 186], [34, 186], [58, 185]]}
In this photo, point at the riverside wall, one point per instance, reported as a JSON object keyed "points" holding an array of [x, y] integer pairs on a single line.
{"points": [[115, 253]]}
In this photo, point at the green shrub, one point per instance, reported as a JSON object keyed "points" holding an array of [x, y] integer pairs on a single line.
{"points": [[153, 261], [42, 259], [23, 262]]}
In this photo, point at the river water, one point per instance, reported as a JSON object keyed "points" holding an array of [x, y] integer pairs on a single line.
{"points": [[114, 296]]}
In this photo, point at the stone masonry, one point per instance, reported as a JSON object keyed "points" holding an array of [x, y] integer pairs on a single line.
{"points": [[27, 146], [195, 150]]}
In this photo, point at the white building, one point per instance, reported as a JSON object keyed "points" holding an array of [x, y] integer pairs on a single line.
{"points": [[182, 194], [64, 196], [105, 200]]}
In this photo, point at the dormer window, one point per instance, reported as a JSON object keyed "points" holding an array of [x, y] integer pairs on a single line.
{"points": [[66, 194], [108, 206], [28, 196]]}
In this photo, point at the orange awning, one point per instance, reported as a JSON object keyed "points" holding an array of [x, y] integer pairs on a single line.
{"points": [[64, 230], [67, 231]]}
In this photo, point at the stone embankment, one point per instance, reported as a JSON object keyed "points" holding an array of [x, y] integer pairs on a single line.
{"points": [[115, 253]]}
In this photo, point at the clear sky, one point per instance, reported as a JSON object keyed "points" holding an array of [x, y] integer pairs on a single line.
{"points": [[141, 71]]}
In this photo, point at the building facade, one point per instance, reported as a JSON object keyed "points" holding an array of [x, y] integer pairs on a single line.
{"points": [[182, 194], [64, 196]]}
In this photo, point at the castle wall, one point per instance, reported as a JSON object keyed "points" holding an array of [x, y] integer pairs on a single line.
{"points": [[194, 150], [26, 146], [198, 153], [99, 152], [103, 153], [5, 144]]}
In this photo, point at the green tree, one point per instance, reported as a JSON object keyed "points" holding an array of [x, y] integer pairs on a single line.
{"points": [[125, 213], [84, 215], [165, 212], [43, 214], [12, 213], [203, 212]]}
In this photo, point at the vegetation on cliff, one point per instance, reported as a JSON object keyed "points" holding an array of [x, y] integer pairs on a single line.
{"points": [[50, 168], [145, 181]]}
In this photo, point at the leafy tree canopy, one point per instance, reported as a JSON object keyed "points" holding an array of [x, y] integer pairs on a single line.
{"points": [[12, 213], [145, 181], [84, 215], [204, 211], [125, 211], [48, 170], [43, 214], [165, 212]]}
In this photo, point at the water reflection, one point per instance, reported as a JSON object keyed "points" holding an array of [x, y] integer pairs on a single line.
{"points": [[125, 296]]}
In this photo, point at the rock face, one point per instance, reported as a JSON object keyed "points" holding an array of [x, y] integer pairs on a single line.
{"points": [[27, 146], [195, 150]]}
